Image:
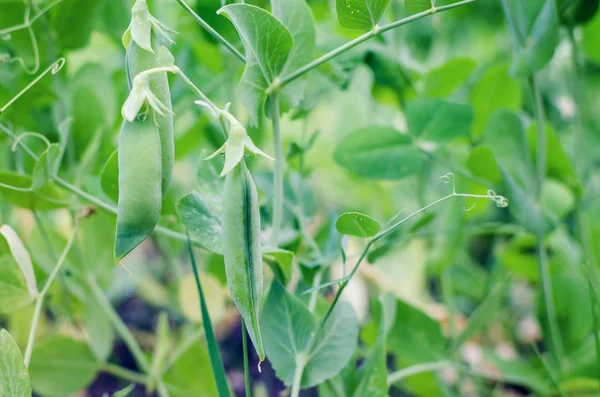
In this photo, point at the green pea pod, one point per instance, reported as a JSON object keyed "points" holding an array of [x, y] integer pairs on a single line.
{"points": [[140, 192], [242, 249], [139, 60]]}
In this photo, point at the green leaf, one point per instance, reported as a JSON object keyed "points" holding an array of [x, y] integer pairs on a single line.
{"points": [[415, 6], [297, 17], [373, 373], [288, 329], [188, 377], [444, 80], [13, 288], [591, 32], [576, 12], [46, 198], [109, 177], [283, 258], [438, 120], [483, 315], [379, 153], [71, 36], [163, 346], [14, 378], [494, 90], [537, 24], [21, 256], [210, 184], [99, 327], [416, 337], [126, 392], [46, 167], [61, 366], [360, 14], [357, 224], [268, 44], [202, 222], [482, 164]]}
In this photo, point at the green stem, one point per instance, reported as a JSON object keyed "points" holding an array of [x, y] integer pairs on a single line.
{"points": [[298, 373], [278, 84], [125, 373], [596, 324], [40, 298], [581, 103], [211, 31], [246, 365], [540, 136], [278, 172], [407, 372]]}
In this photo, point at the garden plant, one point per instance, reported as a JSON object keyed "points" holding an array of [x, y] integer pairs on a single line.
{"points": [[299, 198]]}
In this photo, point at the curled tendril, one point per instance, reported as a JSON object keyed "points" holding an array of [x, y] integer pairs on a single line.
{"points": [[501, 201], [449, 177], [467, 209], [54, 68]]}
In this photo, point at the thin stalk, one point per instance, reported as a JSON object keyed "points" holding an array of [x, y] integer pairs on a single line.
{"points": [[278, 172], [595, 323], [312, 303], [125, 373], [246, 365], [211, 31], [278, 84], [407, 372], [298, 373], [581, 103], [540, 135], [40, 298]]}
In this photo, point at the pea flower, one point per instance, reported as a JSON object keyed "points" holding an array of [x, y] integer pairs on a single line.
{"points": [[141, 25], [139, 94], [237, 142]]}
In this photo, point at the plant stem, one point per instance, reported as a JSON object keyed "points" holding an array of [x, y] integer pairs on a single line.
{"points": [[40, 298], [364, 37], [580, 103], [300, 364], [540, 136], [125, 373], [246, 365], [278, 172], [211, 31], [407, 372]]}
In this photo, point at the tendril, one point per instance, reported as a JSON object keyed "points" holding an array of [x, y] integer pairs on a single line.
{"points": [[501, 201], [54, 68], [449, 177], [467, 209]]}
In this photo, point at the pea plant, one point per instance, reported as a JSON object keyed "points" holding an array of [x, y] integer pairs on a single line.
{"points": [[299, 198]]}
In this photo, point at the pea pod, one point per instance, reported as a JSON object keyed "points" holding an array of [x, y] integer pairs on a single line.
{"points": [[140, 192], [139, 60], [242, 249]]}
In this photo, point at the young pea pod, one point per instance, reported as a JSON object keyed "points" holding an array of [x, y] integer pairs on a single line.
{"points": [[140, 192], [139, 60], [242, 249]]}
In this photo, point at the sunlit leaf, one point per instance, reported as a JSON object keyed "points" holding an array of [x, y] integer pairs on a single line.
{"points": [[357, 224]]}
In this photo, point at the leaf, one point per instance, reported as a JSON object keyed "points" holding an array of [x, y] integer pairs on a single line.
{"points": [[109, 177], [46, 198], [415, 6], [99, 327], [482, 164], [373, 373], [576, 12], [46, 167], [483, 315], [14, 378], [494, 90], [297, 17], [590, 36], [188, 377], [416, 337], [438, 120], [288, 328], [126, 392], [21, 256], [444, 80], [283, 258], [201, 221], [13, 288], [61, 366], [267, 43], [357, 224], [537, 25], [163, 346], [360, 14], [210, 184], [72, 36], [379, 153]]}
